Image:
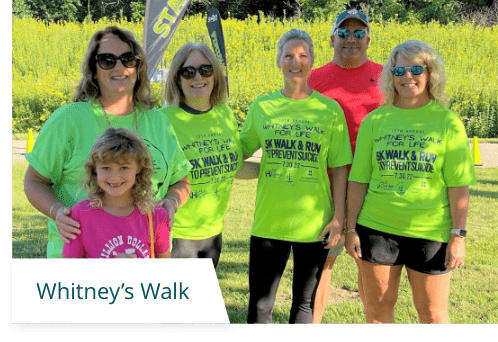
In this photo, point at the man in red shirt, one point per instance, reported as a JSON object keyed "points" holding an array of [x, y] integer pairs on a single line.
{"points": [[350, 79]]}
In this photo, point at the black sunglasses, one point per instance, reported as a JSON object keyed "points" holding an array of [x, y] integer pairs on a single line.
{"points": [[188, 72], [414, 69], [344, 33], [108, 61]]}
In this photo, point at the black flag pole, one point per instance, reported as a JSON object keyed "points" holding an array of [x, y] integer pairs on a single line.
{"points": [[215, 30]]}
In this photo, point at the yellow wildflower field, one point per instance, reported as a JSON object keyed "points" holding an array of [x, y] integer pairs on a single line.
{"points": [[47, 58]]}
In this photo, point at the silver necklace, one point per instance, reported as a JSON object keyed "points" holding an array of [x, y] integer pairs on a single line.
{"points": [[135, 119]]}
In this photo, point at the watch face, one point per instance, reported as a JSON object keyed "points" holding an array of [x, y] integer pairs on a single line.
{"points": [[459, 232]]}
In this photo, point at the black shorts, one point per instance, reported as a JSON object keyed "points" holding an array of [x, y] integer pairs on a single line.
{"points": [[420, 255]]}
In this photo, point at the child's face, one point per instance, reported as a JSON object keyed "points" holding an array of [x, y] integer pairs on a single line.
{"points": [[117, 179]]}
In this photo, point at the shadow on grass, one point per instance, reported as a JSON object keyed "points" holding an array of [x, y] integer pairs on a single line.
{"points": [[487, 181], [30, 248], [236, 246], [237, 314], [29, 237], [226, 268], [484, 194]]}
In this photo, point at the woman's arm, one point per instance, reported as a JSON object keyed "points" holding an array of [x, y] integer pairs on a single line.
{"points": [[339, 184], [176, 196], [459, 204], [38, 190], [356, 196], [249, 170]]}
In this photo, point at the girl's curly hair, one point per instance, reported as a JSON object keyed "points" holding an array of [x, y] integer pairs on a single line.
{"points": [[118, 145]]}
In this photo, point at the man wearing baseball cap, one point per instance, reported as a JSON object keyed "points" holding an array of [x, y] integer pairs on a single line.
{"points": [[350, 79]]}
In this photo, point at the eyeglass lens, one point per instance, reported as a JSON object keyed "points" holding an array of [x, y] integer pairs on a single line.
{"points": [[344, 33], [205, 70], [108, 60], [414, 70]]}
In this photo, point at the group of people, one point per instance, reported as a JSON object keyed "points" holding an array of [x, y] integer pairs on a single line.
{"points": [[401, 201]]}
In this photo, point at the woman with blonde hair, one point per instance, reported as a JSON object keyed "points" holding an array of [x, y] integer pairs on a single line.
{"points": [[114, 91], [196, 93], [408, 190]]}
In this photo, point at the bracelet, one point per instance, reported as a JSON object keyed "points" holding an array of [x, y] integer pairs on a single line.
{"points": [[349, 230], [52, 207], [174, 199], [60, 210]]}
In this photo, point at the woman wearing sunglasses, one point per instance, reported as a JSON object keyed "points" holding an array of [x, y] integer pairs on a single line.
{"points": [[301, 133], [408, 189], [196, 92], [114, 91]]}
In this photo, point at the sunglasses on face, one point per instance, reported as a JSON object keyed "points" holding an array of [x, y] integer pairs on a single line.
{"points": [[344, 33], [415, 70], [189, 72], [108, 61]]}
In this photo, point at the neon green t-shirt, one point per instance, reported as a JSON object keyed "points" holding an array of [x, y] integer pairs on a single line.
{"points": [[299, 139], [211, 143], [65, 141], [410, 157]]}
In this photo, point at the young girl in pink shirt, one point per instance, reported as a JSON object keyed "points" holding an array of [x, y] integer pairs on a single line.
{"points": [[114, 219]]}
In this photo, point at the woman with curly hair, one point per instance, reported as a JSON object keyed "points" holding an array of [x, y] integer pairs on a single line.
{"points": [[114, 91], [113, 219], [408, 190]]}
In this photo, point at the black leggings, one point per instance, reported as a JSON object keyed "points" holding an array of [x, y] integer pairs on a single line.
{"points": [[267, 260], [206, 248]]}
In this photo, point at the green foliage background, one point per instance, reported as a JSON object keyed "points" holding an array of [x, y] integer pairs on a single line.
{"points": [[46, 59], [443, 11]]}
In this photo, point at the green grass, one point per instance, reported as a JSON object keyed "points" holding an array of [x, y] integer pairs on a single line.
{"points": [[474, 290]]}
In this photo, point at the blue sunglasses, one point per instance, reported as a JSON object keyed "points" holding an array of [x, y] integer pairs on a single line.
{"points": [[344, 33], [414, 69]]}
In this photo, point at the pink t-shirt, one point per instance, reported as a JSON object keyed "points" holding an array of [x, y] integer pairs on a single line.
{"points": [[104, 235], [355, 89]]}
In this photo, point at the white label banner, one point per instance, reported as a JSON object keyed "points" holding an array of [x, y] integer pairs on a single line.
{"points": [[116, 291]]}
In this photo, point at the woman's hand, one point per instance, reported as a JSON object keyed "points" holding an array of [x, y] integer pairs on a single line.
{"points": [[67, 227], [171, 206], [176, 196], [455, 253], [335, 229], [352, 244]]}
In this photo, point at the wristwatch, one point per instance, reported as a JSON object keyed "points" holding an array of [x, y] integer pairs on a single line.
{"points": [[459, 232]]}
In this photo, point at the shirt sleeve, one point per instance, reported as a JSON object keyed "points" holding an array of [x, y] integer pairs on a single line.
{"points": [[248, 135], [340, 147], [161, 230], [180, 162], [362, 168], [458, 167], [51, 151], [74, 249]]}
